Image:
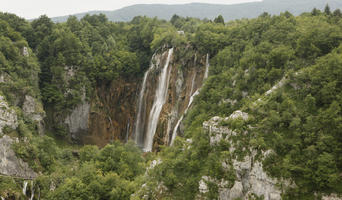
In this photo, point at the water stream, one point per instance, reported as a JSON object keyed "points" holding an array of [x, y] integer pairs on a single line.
{"points": [[145, 141], [139, 124], [25, 187], [159, 101]]}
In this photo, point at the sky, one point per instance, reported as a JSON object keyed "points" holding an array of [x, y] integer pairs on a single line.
{"points": [[30, 9]]}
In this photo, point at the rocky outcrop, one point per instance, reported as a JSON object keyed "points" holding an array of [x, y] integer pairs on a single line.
{"points": [[251, 178], [332, 197], [33, 110], [77, 121], [10, 165], [8, 116]]}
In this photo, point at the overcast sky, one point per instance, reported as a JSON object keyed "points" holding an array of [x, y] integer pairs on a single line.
{"points": [[33, 8]]}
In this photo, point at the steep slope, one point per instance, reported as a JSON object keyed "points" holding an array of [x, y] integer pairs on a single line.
{"points": [[266, 124], [210, 11]]}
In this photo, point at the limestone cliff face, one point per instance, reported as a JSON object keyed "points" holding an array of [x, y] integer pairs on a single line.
{"points": [[10, 165], [186, 79], [251, 178], [112, 112], [8, 117], [165, 95]]}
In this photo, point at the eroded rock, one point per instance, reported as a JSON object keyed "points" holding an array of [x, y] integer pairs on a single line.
{"points": [[33, 109], [10, 165], [332, 197], [77, 121], [251, 179], [8, 116]]}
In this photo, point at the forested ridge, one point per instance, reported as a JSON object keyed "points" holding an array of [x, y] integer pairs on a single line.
{"points": [[300, 121]]}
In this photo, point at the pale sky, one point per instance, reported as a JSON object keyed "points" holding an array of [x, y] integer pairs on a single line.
{"points": [[34, 8]]}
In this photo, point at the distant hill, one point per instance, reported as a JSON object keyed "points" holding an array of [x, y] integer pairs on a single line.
{"points": [[210, 11]]}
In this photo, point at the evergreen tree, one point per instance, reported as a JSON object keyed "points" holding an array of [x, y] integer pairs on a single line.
{"points": [[315, 12], [327, 10], [219, 20]]}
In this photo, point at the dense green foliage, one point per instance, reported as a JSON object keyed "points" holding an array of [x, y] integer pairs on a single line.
{"points": [[300, 122], [108, 173]]}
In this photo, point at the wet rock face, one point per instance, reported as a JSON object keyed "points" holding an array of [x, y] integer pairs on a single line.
{"points": [[10, 165], [251, 178], [112, 112], [8, 117]]}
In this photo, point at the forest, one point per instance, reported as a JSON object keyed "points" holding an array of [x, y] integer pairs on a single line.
{"points": [[300, 122]]}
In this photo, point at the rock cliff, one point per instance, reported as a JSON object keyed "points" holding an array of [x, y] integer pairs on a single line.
{"points": [[251, 178], [10, 165]]}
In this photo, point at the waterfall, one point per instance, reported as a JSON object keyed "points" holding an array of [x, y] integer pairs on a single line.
{"points": [[127, 131], [206, 73], [139, 128], [25, 187], [207, 65], [32, 190], [174, 133], [158, 103]]}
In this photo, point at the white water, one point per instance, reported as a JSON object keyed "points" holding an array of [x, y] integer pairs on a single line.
{"points": [[174, 133], [25, 187], [207, 65], [127, 131], [158, 103], [206, 73], [139, 129], [32, 190]]}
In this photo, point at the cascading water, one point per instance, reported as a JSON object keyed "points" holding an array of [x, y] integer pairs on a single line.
{"points": [[158, 103], [32, 190], [139, 124], [25, 187], [206, 73], [207, 65], [127, 131]]}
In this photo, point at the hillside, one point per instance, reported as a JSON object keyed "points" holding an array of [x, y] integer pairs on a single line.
{"points": [[210, 11]]}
